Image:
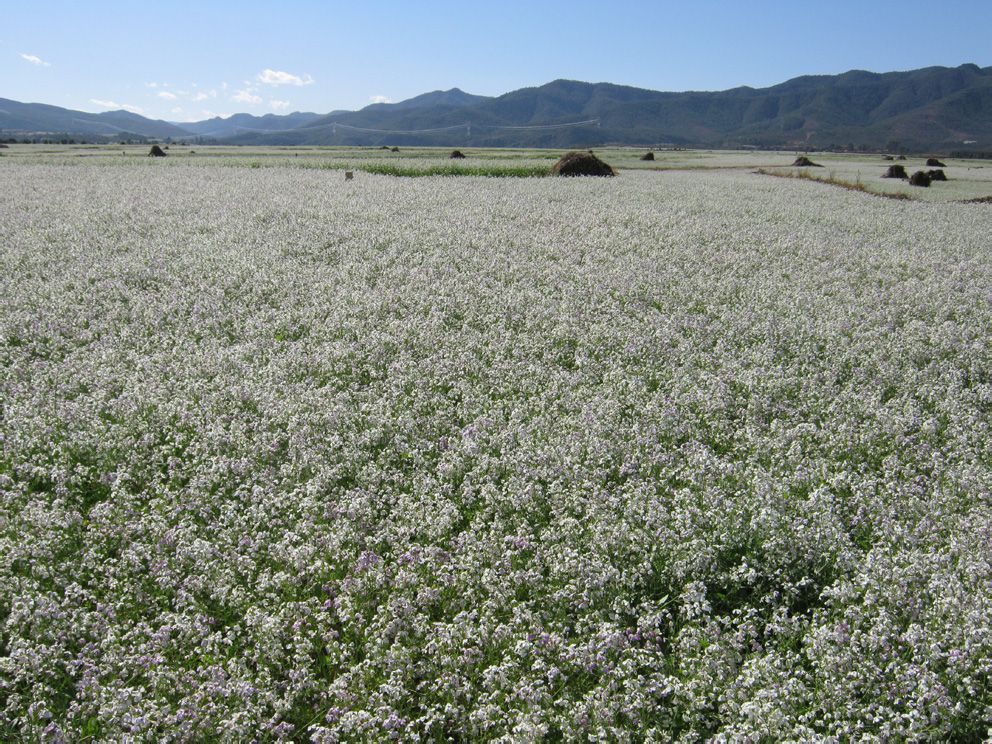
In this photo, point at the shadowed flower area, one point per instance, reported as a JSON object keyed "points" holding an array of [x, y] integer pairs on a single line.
{"points": [[669, 456]]}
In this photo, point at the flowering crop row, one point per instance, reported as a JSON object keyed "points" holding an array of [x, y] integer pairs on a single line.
{"points": [[665, 456]]}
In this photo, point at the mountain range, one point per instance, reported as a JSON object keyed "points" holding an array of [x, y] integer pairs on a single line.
{"points": [[933, 108]]}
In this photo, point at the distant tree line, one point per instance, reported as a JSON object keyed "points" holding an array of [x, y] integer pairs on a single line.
{"points": [[70, 138], [46, 141]]}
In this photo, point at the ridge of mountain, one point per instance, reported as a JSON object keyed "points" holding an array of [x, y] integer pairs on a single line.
{"points": [[236, 124], [928, 108], [35, 119]]}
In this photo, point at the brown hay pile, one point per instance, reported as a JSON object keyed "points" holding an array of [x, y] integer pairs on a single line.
{"points": [[934, 163], [457, 154], [581, 164], [919, 179], [156, 152], [648, 156], [937, 175], [895, 171], [804, 162]]}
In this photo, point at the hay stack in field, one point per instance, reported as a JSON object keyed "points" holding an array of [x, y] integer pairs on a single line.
{"points": [[919, 179], [156, 152], [936, 175], [581, 164], [934, 163], [394, 149], [457, 154], [804, 162], [648, 156], [895, 171]]}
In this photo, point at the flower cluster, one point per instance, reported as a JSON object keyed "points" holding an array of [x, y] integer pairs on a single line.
{"points": [[670, 456]]}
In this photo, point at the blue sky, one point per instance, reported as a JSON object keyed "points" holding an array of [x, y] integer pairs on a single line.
{"points": [[187, 61]]}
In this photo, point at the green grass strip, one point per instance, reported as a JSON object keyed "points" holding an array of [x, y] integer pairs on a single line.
{"points": [[493, 171]]}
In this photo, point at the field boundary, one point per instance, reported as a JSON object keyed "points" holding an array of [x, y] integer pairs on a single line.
{"points": [[804, 175]]}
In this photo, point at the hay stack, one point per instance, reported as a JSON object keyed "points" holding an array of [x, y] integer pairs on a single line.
{"points": [[156, 152], [936, 175], [457, 155], [934, 163], [394, 149], [581, 164], [648, 156], [919, 179], [895, 171], [804, 162]]}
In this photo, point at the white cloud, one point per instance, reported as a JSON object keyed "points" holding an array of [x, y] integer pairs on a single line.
{"points": [[277, 77], [114, 105], [166, 95], [278, 105], [380, 99], [35, 60], [246, 96], [203, 96], [151, 85], [177, 110]]}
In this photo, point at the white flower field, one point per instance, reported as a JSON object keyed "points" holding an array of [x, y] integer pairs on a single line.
{"points": [[678, 455]]}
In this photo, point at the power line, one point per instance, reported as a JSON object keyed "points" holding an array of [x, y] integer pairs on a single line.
{"points": [[336, 124], [540, 126], [467, 126], [103, 124]]}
